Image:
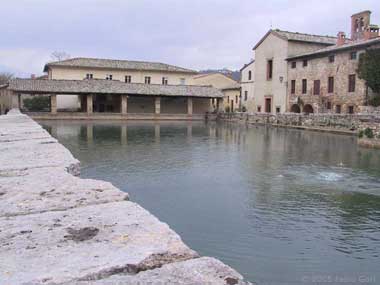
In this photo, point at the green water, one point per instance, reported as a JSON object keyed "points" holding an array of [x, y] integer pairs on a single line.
{"points": [[281, 206]]}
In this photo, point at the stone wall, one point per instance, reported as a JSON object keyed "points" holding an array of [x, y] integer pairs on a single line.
{"points": [[343, 123], [56, 228], [320, 68]]}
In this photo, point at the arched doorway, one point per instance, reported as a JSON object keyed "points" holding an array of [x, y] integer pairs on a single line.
{"points": [[308, 109], [295, 108]]}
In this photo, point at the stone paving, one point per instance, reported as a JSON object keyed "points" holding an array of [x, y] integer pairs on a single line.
{"points": [[56, 228]]}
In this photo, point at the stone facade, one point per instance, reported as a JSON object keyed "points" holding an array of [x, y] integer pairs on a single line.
{"points": [[326, 80], [340, 100], [270, 72]]}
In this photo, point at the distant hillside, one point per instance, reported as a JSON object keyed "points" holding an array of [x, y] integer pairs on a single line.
{"points": [[235, 75]]}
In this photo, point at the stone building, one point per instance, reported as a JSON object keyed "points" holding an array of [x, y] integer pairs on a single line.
{"points": [[83, 88], [230, 88], [120, 70], [270, 67], [326, 80], [247, 82]]}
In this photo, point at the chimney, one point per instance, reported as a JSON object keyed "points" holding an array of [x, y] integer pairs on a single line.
{"points": [[341, 39], [371, 32], [32, 76]]}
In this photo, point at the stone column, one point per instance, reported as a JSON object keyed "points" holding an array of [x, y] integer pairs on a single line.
{"points": [[14, 100], [124, 104], [219, 105], [157, 105], [53, 104], [190, 106], [89, 104]]}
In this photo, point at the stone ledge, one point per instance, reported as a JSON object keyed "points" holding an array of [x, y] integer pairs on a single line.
{"points": [[204, 270], [56, 228], [51, 189]]}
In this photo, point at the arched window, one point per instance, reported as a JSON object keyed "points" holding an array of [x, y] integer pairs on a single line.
{"points": [[249, 75]]}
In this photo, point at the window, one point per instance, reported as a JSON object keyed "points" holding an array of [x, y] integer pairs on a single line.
{"points": [[304, 86], [109, 77], [328, 105], [245, 95], [317, 87], [351, 82], [350, 109], [294, 64], [182, 81], [228, 99], [338, 109], [236, 99], [331, 58], [304, 63], [353, 55], [259, 109], [293, 87], [164, 81], [128, 79], [89, 76], [278, 109], [330, 85], [249, 75], [269, 69], [147, 79]]}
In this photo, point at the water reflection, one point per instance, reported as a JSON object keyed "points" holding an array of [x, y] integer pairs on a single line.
{"points": [[276, 204]]}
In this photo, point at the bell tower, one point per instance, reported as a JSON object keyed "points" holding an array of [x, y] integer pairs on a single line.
{"points": [[359, 24]]}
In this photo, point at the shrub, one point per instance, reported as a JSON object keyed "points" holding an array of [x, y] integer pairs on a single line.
{"points": [[361, 134], [374, 101], [368, 133], [37, 103]]}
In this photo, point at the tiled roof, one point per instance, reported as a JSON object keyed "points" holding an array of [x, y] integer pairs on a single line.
{"points": [[118, 64], [336, 48], [96, 86], [294, 36], [300, 37]]}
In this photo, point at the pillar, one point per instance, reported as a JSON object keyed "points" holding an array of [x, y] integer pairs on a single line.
{"points": [[124, 104], [14, 100], [89, 104], [219, 105], [53, 104], [190, 106], [157, 105]]}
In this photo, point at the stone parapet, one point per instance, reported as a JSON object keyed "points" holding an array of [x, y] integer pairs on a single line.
{"points": [[342, 123], [56, 228]]}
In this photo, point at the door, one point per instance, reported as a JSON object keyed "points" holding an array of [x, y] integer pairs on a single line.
{"points": [[232, 105], [268, 105]]}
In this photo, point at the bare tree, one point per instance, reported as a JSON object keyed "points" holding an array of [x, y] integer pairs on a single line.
{"points": [[59, 55], [5, 77]]}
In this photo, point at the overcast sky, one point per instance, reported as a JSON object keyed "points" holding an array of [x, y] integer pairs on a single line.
{"points": [[196, 34]]}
